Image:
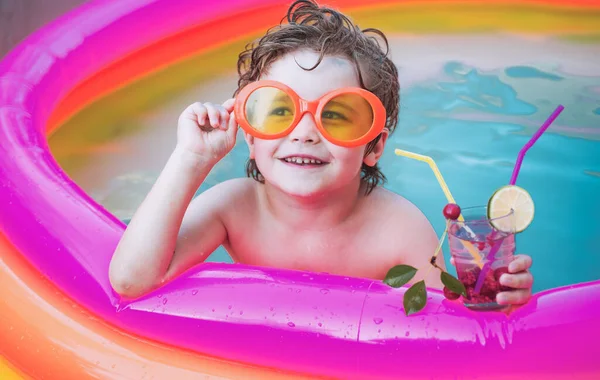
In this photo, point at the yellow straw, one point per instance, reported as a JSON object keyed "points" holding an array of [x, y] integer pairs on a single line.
{"points": [[419, 157], [440, 243]]}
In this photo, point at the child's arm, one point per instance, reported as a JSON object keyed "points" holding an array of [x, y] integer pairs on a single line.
{"points": [[155, 246]]}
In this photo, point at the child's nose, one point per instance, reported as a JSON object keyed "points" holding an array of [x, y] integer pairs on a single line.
{"points": [[306, 130]]}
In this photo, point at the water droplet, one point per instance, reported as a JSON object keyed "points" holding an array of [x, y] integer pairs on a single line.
{"points": [[324, 291], [194, 292], [377, 320], [291, 324], [407, 333], [165, 301]]}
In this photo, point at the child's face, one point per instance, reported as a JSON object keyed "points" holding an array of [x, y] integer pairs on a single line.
{"points": [[340, 166]]}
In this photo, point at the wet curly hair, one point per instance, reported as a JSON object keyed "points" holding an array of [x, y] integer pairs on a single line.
{"points": [[327, 32]]}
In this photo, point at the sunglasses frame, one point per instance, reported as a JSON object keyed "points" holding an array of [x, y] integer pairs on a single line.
{"points": [[315, 108]]}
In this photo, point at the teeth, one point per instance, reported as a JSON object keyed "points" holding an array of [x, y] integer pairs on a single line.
{"points": [[300, 160]]}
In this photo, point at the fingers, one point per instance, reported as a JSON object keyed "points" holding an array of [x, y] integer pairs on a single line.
{"points": [[229, 104], [227, 116], [232, 127], [519, 279], [514, 297], [196, 112], [520, 263], [522, 280], [217, 115], [213, 115], [209, 115]]}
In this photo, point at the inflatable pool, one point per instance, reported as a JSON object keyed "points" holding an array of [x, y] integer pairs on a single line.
{"points": [[60, 319]]}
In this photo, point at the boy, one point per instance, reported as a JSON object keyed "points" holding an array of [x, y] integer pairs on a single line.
{"points": [[314, 201]]}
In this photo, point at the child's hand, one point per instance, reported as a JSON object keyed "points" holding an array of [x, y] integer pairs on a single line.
{"points": [[520, 279], [207, 130]]}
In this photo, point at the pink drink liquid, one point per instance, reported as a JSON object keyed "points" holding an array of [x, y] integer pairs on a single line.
{"points": [[483, 239]]}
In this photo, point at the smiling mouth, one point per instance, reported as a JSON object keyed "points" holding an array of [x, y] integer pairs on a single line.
{"points": [[303, 161]]}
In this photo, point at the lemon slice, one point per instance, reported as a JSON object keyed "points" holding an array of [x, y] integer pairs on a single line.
{"points": [[509, 198]]}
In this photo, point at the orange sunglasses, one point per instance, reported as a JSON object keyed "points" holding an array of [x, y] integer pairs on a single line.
{"points": [[347, 117]]}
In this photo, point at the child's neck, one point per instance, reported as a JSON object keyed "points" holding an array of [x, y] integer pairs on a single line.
{"points": [[318, 212]]}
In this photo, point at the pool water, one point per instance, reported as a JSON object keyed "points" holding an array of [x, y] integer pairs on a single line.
{"points": [[469, 101]]}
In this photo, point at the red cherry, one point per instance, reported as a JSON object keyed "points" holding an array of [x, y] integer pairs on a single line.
{"points": [[450, 294], [451, 211]]}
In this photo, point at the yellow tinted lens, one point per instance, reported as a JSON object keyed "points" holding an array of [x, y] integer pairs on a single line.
{"points": [[347, 117], [269, 110]]}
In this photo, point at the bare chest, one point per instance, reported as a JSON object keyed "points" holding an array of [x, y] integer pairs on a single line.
{"points": [[343, 251]]}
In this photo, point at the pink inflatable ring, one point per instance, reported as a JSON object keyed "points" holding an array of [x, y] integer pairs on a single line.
{"points": [[61, 319]]}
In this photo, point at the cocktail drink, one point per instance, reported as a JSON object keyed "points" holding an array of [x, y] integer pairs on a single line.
{"points": [[481, 239], [496, 248]]}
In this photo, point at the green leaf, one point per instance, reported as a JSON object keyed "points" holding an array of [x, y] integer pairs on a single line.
{"points": [[399, 275], [453, 284], [415, 298]]}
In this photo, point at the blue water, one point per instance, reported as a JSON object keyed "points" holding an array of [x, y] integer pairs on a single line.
{"points": [[473, 123]]}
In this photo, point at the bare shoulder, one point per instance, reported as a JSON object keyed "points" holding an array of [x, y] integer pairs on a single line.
{"points": [[228, 194], [233, 187], [397, 210], [213, 212], [406, 235], [220, 201]]}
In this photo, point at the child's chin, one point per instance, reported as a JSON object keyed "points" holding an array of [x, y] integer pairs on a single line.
{"points": [[302, 189]]}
